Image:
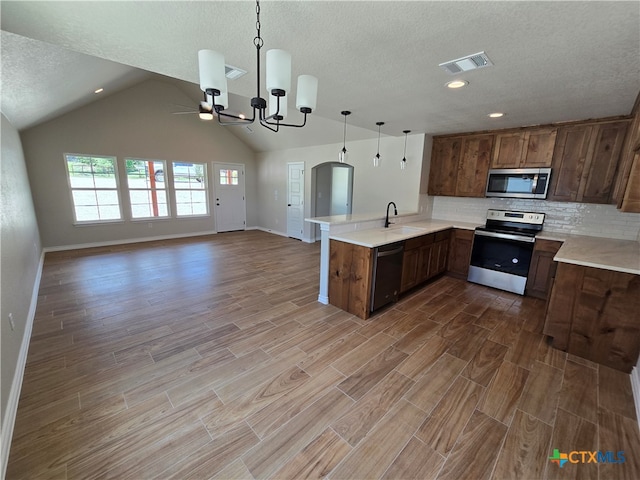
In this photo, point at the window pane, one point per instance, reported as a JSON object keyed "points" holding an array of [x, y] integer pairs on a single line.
{"points": [[145, 205], [94, 185], [190, 183], [109, 212], [147, 193], [138, 173], [85, 214]]}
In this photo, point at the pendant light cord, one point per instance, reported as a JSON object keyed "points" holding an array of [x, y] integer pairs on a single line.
{"points": [[344, 134]]}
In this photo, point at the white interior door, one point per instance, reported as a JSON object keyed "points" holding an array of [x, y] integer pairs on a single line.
{"points": [[229, 204], [295, 200]]}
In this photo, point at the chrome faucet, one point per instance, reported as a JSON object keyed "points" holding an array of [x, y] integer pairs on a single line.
{"points": [[395, 212]]}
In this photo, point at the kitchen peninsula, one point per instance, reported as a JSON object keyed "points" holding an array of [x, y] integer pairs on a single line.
{"points": [[367, 230]]}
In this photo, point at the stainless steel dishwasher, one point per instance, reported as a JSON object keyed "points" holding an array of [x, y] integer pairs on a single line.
{"points": [[387, 274]]}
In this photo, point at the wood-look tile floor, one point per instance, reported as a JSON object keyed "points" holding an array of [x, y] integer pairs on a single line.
{"points": [[211, 358]]}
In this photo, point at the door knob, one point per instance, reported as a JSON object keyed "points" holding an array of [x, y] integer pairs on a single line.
{"points": [[288, 205]]}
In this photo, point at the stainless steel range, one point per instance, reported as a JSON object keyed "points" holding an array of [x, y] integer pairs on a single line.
{"points": [[502, 249]]}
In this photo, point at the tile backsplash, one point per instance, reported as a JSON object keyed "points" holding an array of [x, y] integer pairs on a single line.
{"points": [[575, 218]]}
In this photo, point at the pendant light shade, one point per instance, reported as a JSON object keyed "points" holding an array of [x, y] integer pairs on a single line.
{"points": [[212, 71], [403, 162], [278, 70], [307, 92], [377, 158], [343, 155]]}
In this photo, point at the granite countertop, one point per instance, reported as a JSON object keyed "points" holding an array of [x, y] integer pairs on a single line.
{"points": [[375, 237]]}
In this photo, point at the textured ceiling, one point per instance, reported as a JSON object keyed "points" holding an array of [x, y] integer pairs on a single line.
{"points": [[553, 61]]}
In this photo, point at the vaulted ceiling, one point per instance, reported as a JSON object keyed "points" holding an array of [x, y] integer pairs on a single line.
{"points": [[553, 61]]}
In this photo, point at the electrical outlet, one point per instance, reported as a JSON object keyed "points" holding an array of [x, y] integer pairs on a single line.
{"points": [[11, 322]]}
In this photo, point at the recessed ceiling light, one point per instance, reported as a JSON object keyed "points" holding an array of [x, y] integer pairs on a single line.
{"points": [[496, 115], [100, 90], [457, 83]]}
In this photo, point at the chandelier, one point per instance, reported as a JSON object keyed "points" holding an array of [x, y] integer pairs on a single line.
{"points": [[213, 83]]}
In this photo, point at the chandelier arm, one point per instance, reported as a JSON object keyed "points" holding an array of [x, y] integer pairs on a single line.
{"points": [[304, 122]]}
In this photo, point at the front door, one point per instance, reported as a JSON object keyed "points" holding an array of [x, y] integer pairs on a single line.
{"points": [[295, 200], [230, 209]]}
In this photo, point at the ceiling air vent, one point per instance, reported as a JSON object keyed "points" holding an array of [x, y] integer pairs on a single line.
{"points": [[464, 64], [233, 72]]}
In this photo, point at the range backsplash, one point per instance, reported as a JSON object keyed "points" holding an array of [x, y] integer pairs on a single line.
{"points": [[576, 218]]}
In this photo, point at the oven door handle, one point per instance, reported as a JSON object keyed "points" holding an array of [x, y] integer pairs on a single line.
{"points": [[518, 238]]}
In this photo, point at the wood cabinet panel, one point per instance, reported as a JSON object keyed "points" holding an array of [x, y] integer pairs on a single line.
{"points": [[593, 314], [350, 272], [473, 167], [585, 162], [572, 146], [627, 191], [603, 162], [459, 253], [443, 172], [631, 199], [538, 152], [410, 262], [508, 150], [424, 258], [531, 148], [542, 269], [459, 165]]}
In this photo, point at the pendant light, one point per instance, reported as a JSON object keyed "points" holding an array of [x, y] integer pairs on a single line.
{"points": [[377, 158], [344, 155], [403, 162]]}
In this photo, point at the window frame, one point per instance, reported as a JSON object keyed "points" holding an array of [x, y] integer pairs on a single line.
{"points": [[176, 189], [169, 215], [117, 189]]}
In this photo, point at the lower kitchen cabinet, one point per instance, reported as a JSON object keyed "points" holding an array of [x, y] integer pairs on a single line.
{"points": [[543, 269], [593, 313], [424, 258], [350, 276], [460, 252]]}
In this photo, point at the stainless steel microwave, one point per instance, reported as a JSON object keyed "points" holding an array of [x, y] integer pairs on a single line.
{"points": [[518, 182]]}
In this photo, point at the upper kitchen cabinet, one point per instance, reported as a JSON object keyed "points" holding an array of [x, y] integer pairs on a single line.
{"points": [[443, 173], [585, 161], [473, 167], [459, 165], [531, 148], [627, 192]]}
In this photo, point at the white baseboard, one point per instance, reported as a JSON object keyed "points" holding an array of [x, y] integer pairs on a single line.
{"points": [[282, 234], [268, 230], [635, 385], [111, 243], [9, 420]]}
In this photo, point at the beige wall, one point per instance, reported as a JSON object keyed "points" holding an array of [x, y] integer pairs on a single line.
{"points": [[373, 187], [20, 252], [138, 123]]}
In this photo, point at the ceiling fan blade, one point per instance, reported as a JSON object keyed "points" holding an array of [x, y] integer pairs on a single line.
{"points": [[184, 113]]}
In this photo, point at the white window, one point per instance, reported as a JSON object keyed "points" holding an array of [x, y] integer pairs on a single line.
{"points": [[190, 185], [228, 177], [147, 189], [93, 181]]}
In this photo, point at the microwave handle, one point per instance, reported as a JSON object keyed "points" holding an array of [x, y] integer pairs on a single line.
{"points": [[534, 184]]}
